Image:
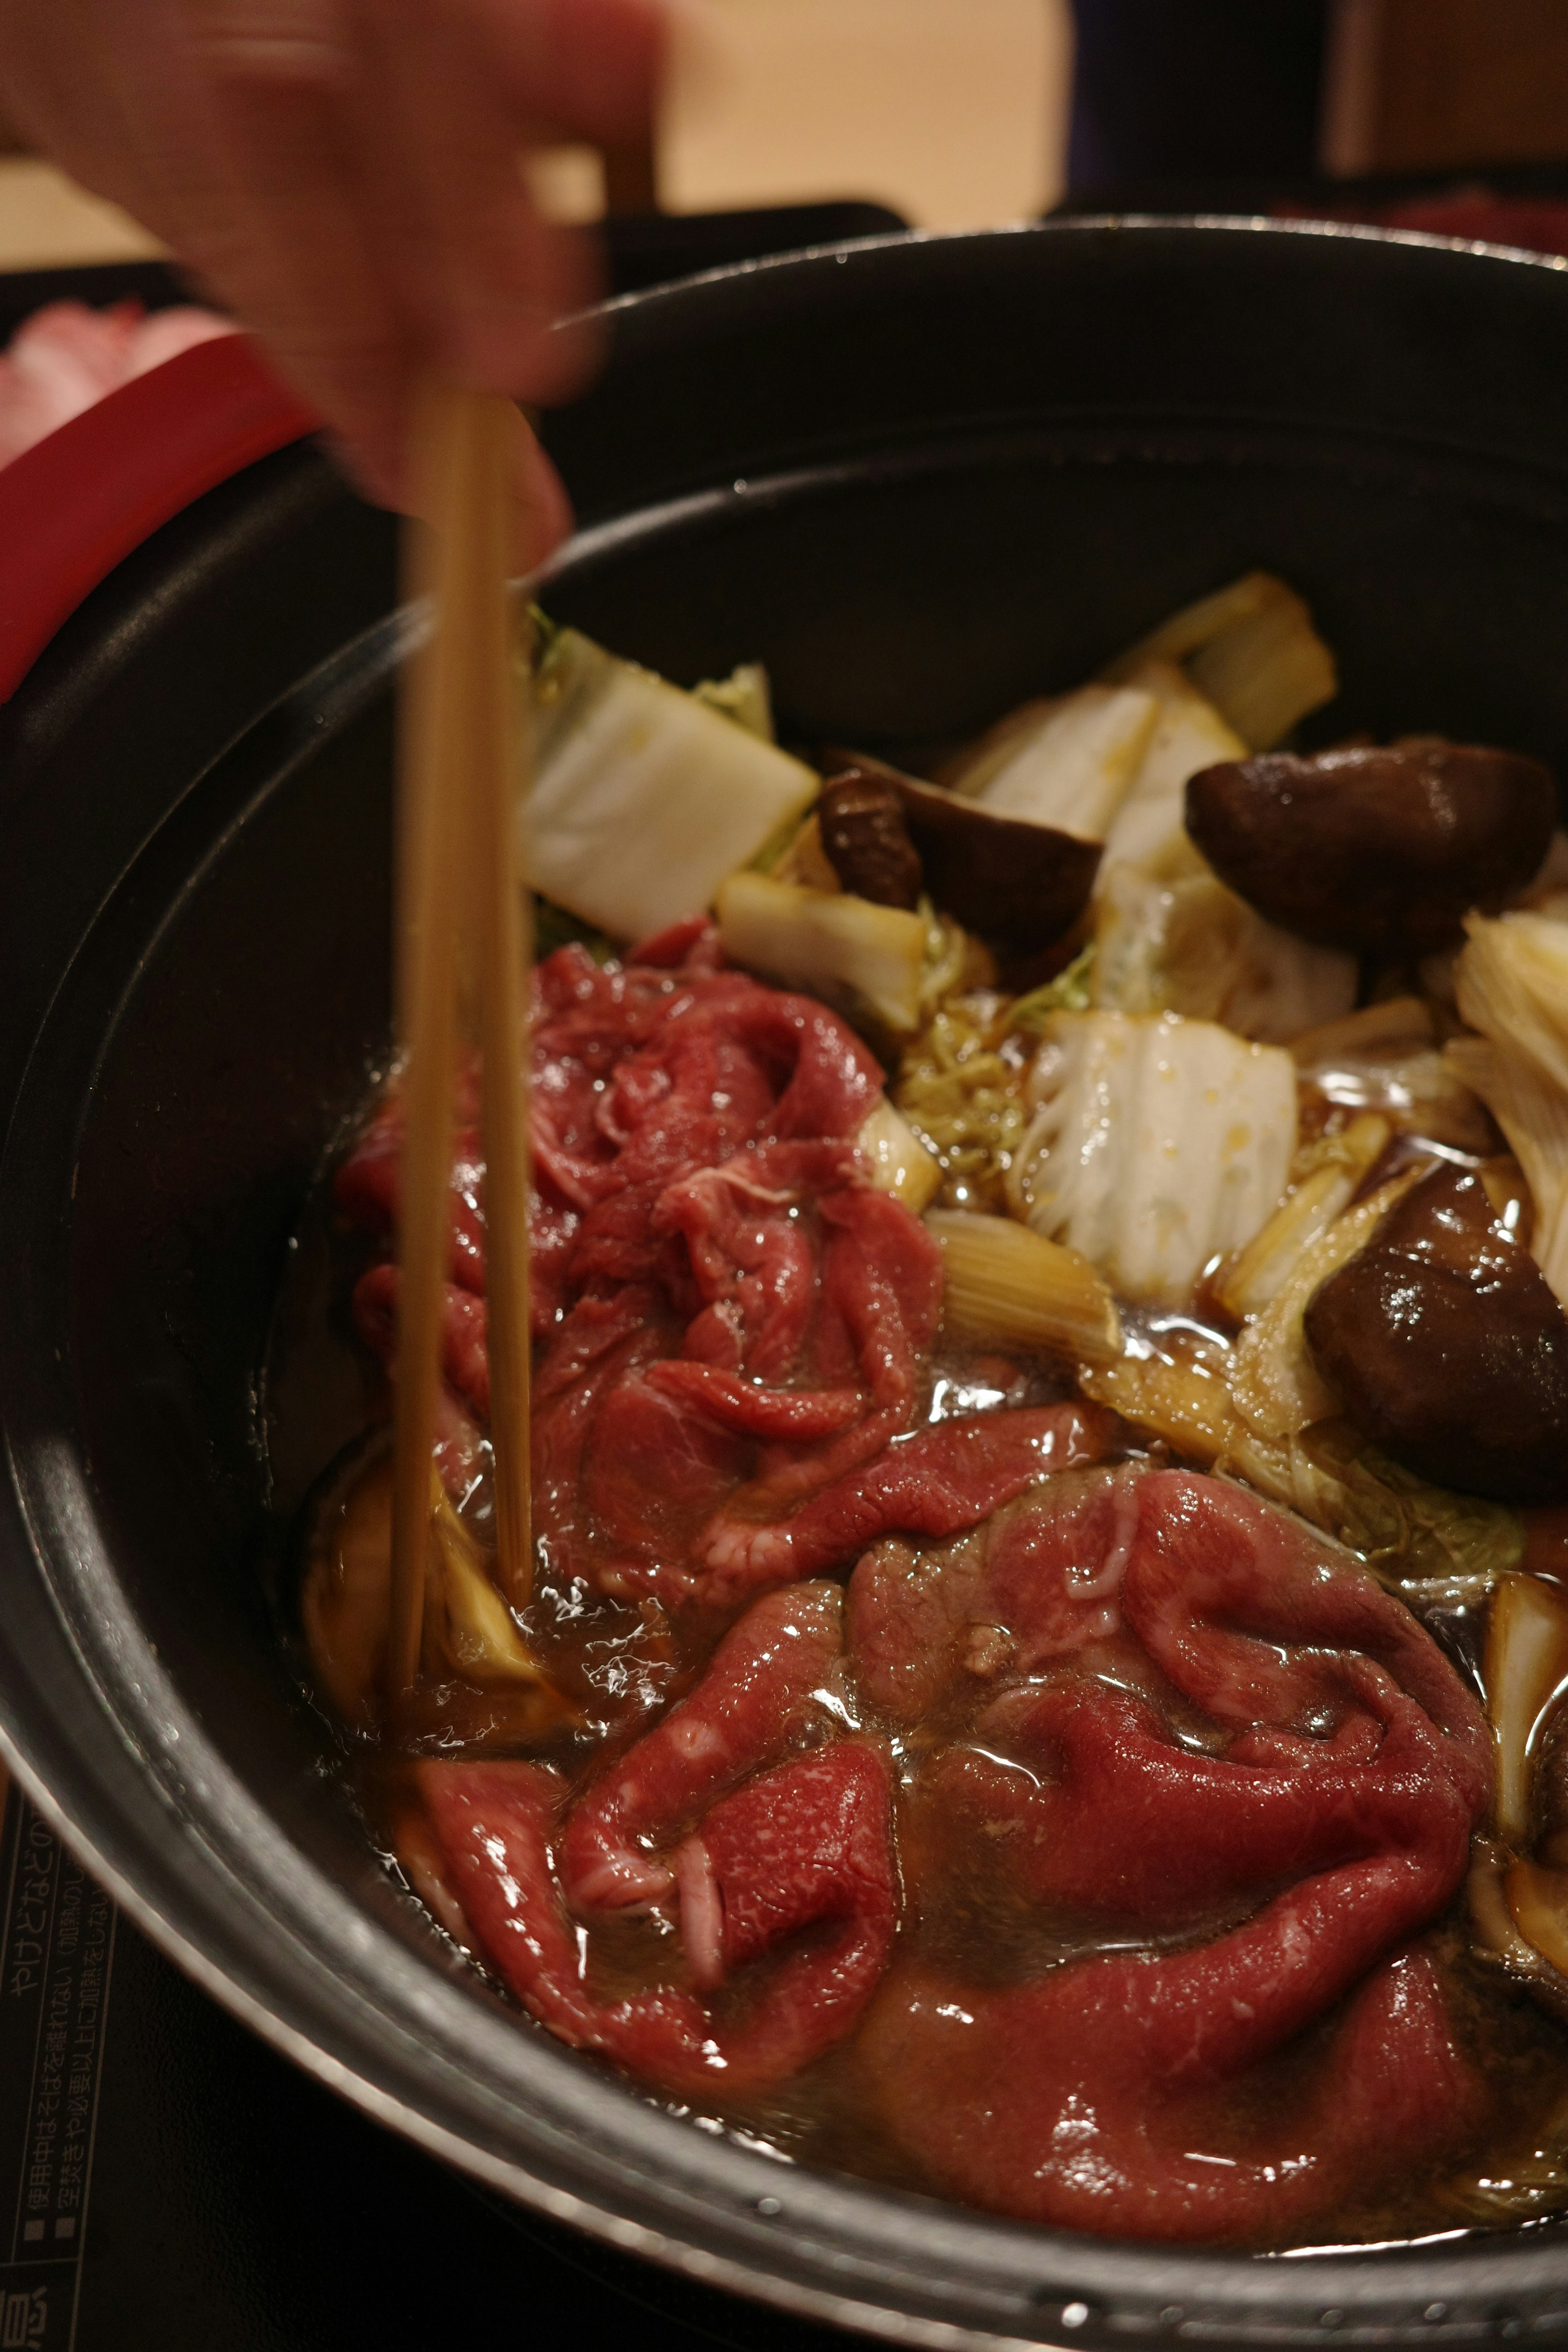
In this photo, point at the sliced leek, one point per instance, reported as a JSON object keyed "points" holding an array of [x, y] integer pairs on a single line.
{"points": [[1252, 650], [469, 1630], [1009, 1288], [1266, 672], [1384, 1058], [1274, 1383], [1339, 1164], [1537, 1905], [900, 1164], [481, 1638], [1526, 1664]]}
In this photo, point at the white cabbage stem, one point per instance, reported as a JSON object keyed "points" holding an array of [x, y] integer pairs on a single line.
{"points": [[1157, 1145], [1512, 986], [643, 797]]}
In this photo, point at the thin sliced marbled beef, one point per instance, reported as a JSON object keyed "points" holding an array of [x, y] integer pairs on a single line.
{"points": [[931, 1483], [777, 1865], [1227, 1733], [768, 1687], [731, 1316]]}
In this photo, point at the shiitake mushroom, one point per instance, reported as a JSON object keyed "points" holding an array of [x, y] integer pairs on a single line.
{"points": [[1382, 849], [866, 840], [1448, 1347], [1014, 884]]}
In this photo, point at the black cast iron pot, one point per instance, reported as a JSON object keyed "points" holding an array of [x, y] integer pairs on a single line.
{"points": [[923, 479]]}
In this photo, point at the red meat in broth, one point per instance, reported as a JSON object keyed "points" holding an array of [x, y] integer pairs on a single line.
{"points": [[768, 1687], [782, 1887], [732, 1317], [1177, 1787], [933, 1483], [1261, 1751]]}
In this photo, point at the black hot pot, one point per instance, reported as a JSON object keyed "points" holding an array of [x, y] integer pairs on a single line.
{"points": [[923, 479]]}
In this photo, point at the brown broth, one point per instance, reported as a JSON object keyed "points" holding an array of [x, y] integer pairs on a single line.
{"points": [[620, 1664]]}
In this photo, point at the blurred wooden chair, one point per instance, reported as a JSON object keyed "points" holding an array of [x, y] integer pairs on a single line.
{"points": [[1438, 85]]}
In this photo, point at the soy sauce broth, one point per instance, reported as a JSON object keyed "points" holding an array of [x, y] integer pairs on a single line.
{"points": [[327, 1411]]}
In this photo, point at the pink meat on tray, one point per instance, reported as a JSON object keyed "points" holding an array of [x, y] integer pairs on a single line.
{"points": [[66, 357]]}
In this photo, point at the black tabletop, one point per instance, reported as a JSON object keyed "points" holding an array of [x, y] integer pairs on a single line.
{"points": [[167, 2184]]}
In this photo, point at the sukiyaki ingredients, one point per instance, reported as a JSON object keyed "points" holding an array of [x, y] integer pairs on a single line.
{"points": [[643, 798], [1277, 1384], [1525, 1669], [900, 1164], [774, 1684], [473, 1623], [1289, 1803], [1005, 1287], [962, 1091], [1514, 989], [1190, 946], [1071, 990], [745, 695], [1381, 851], [1155, 1145], [469, 1632], [866, 840], [1325, 1178], [888, 1752], [1149, 830], [736, 1321], [934, 1483], [1067, 762], [1537, 1904], [781, 1892], [1385, 1058], [1010, 879], [844, 948], [1252, 651], [1447, 1348], [1417, 1537]]}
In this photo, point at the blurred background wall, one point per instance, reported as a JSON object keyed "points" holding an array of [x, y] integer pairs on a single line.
{"points": [[958, 112]]}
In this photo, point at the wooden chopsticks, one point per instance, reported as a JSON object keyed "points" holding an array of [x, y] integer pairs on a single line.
{"points": [[460, 920]]}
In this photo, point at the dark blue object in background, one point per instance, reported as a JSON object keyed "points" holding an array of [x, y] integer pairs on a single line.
{"points": [[1191, 90]]}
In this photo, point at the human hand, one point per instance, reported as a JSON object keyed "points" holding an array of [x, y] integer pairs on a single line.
{"points": [[347, 176]]}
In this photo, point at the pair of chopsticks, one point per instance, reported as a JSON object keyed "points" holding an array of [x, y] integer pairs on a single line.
{"points": [[464, 945]]}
